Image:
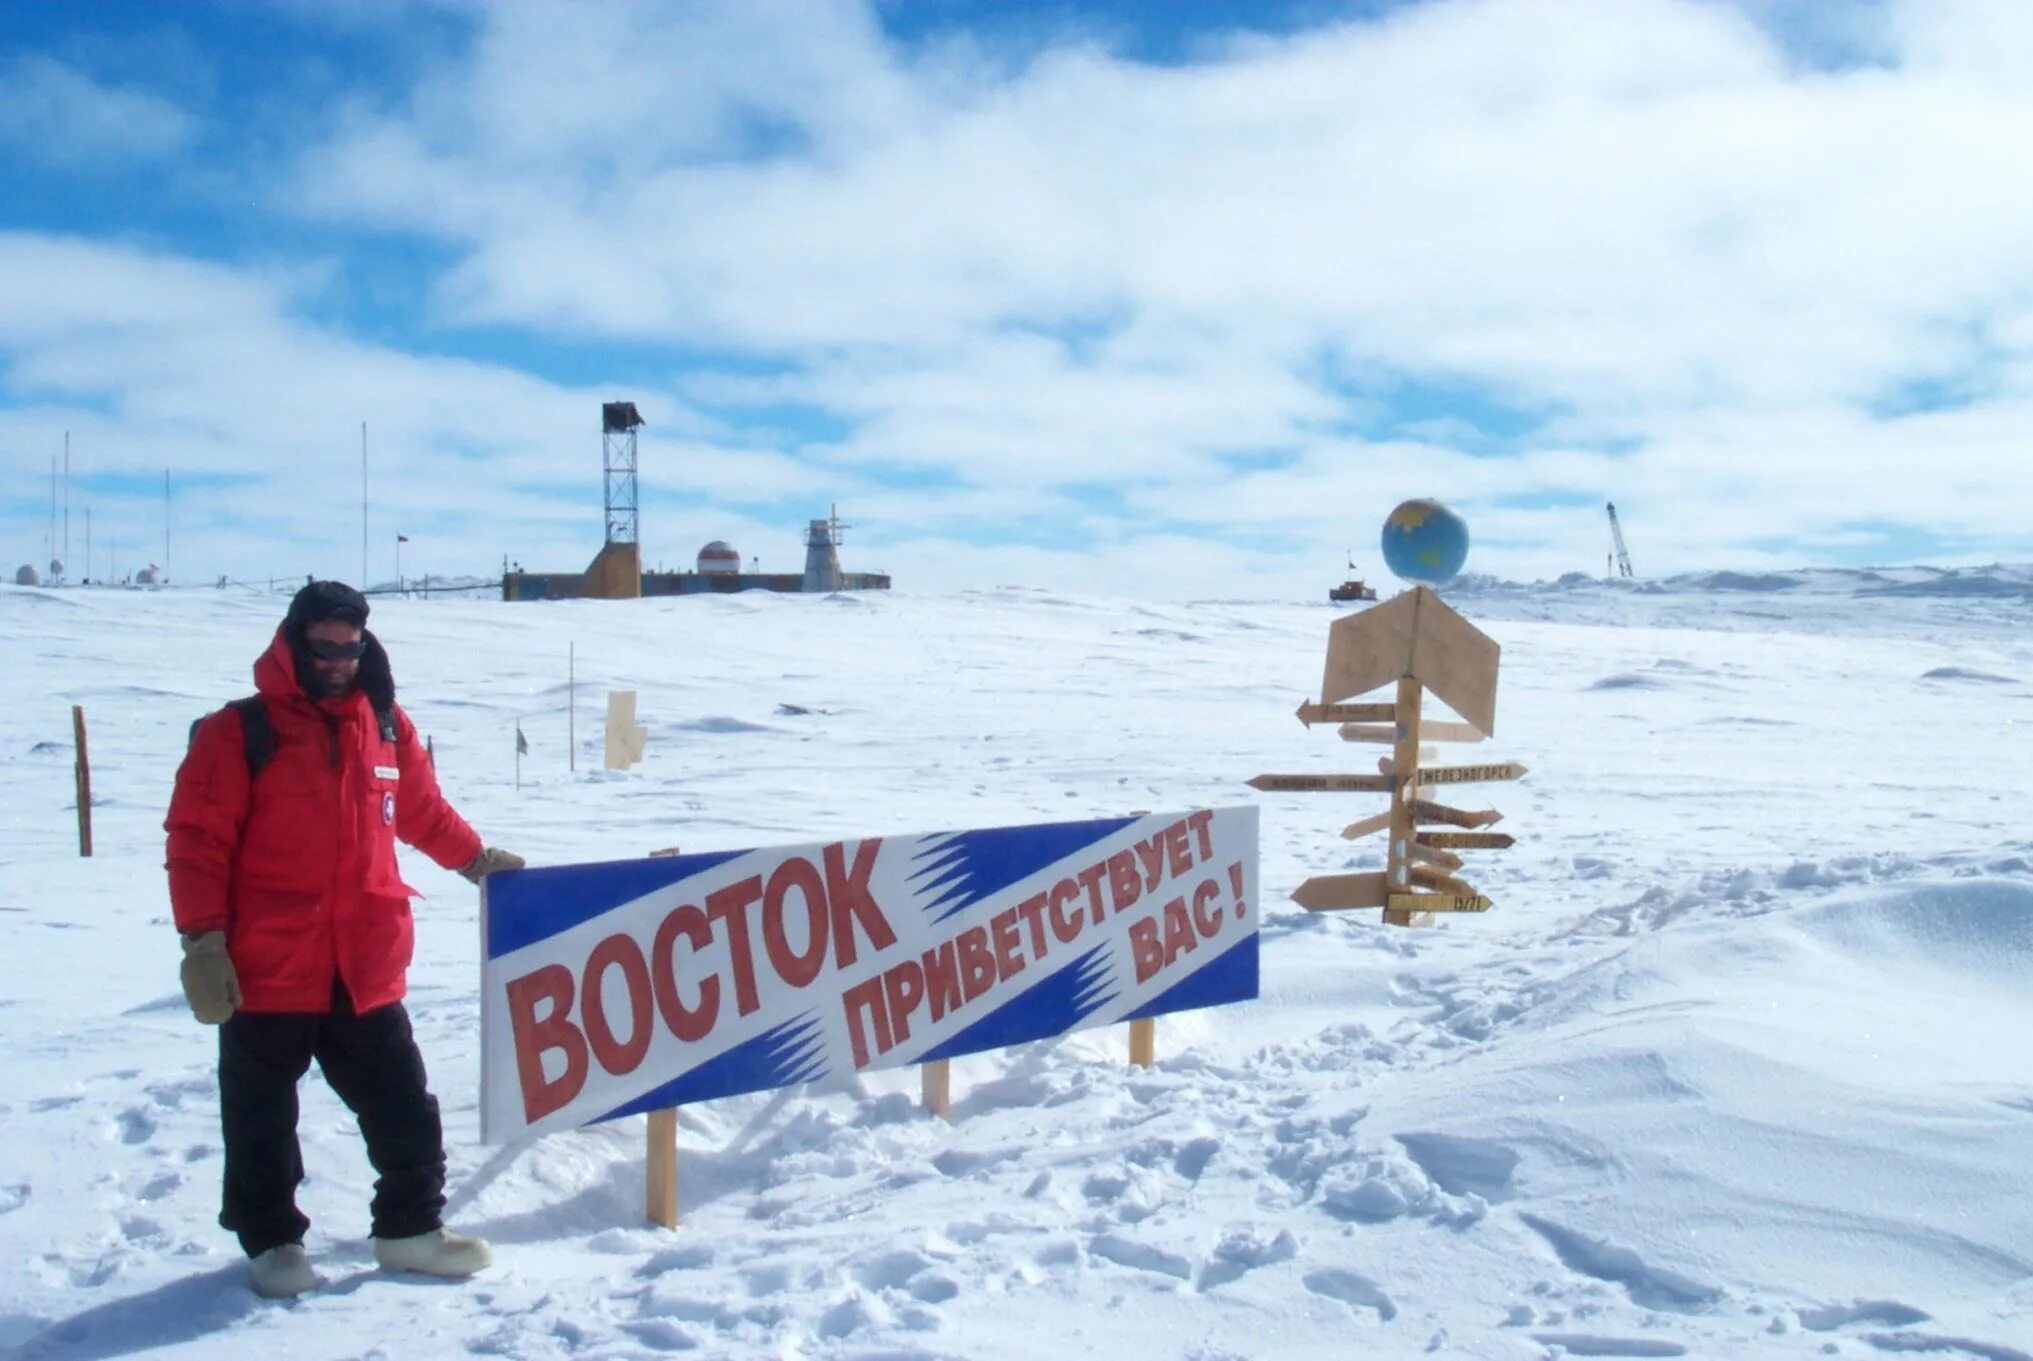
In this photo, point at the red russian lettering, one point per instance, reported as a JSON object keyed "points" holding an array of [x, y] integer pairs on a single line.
{"points": [[867, 996], [1144, 948], [1178, 858], [847, 893], [618, 950], [796, 969], [977, 964], [1200, 822], [534, 1036], [1125, 886], [1009, 961], [1208, 922], [1152, 853], [942, 980], [1090, 879], [1066, 925], [903, 987], [1032, 911], [730, 905], [689, 1024], [1179, 937]]}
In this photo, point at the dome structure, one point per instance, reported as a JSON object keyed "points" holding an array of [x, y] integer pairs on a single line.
{"points": [[719, 556]]}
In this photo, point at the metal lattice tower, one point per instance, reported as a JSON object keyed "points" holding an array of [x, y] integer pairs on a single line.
{"points": [[618, 423], [1616, 534]]}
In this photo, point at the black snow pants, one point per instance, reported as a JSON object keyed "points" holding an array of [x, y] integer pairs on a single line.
{"points": [[372, 1062]]}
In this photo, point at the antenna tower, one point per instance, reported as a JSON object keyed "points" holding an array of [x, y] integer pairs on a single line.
{"points": [[1621, 558]]}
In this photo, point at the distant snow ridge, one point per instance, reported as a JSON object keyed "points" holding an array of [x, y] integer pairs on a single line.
{"points": [[1996, 581]]}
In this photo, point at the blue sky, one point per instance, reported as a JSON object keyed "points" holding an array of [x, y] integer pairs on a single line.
{"points": [[1166, 298]]}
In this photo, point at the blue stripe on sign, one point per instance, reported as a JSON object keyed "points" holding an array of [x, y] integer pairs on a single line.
{"points": [[960, 869], [1053, 1007], [526, 906], [791, 1053], [1231, 978]]}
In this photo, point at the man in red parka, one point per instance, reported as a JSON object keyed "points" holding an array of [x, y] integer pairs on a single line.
{"points": [[297, 933]]}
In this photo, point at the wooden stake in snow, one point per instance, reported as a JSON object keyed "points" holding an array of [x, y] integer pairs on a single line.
{"points": [[1418, 644], [84, 781]]}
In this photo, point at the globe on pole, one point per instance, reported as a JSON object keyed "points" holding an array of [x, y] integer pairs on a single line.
{"points": [[1425, 541]]}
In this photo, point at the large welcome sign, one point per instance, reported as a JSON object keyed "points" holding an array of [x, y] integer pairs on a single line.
{"points": [[636, 985]]}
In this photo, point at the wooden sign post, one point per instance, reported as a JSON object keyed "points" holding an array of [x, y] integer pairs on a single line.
{"points": [[660, 1164], [1418, 643], [83, 773]]}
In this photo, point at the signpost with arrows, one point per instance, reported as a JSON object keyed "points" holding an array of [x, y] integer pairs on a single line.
{"points": [[1420, 644]]}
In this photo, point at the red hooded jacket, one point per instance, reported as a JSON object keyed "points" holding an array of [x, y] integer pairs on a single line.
{"points": [[297, 865]]}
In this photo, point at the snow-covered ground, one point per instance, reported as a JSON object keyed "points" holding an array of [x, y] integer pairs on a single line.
{"points": [[1737, 1067]]}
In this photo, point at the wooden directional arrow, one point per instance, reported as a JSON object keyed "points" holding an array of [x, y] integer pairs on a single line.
{"points": [[1311, 713], [1427, 877], [1424, 810], [1368, 732], [1438, 730], [1365, 732], [1366, 826], [1431, 730], [1419, 850], [1420, 636], [1497, 770], [1296, 784], [1333, 892], [1467, 841], [1438, 902]]}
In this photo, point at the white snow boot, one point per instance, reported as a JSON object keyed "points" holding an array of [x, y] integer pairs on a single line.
{"points": [[283, 1272], [437, 1253]]}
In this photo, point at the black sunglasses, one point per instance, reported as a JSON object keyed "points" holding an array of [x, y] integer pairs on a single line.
{"points": [[334, 652]]}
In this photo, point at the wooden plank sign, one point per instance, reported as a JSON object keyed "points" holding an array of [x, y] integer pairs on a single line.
{"points": [[1495, 770], [1366, 826], [1437, 730], [1415, 636], [1334, 892], [1425, 876], [1438, 902], [1446, 860], [1431, 730], [1298, 784], [1311, 713], [1368, 732], [1467, 841], [1424, 810]]}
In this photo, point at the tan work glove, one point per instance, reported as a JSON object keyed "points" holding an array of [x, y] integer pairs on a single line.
{"points": [[491, 860], [210, 985]]}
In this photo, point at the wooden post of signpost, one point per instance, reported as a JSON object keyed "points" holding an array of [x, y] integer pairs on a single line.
{"points": [[660, 1176], [935, 1087], [1143, 1032], [83, 772], [1418, 642], [662, 1170]]}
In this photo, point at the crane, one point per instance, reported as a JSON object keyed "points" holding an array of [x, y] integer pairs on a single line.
{"points": [[1622, 559]]}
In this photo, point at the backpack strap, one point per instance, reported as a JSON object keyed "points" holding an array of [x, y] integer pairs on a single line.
{"points": [[256, 731], [386, 718]]}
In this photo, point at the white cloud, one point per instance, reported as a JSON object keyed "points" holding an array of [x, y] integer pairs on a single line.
{"points": [[58, 114], [1079, 298]]}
